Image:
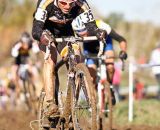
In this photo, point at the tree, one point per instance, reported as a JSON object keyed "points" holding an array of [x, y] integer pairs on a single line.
{"points": [[113, 19]]}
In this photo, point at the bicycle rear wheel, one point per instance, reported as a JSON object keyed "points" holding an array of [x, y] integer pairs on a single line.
{"points": [[83, 100]]}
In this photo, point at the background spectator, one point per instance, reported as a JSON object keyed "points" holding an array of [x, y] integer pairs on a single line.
{"points": [[155, 61], [138, 89]]}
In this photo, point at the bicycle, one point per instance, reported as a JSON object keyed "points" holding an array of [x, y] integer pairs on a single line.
{"points": [[75, 113], [29, 89], [105, 107]]}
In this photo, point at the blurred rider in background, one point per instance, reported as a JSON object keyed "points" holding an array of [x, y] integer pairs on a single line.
{"points": [[21, 53], [91, 48]]}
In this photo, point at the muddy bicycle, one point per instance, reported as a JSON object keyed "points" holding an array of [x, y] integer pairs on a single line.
{"points": [[29, 89], [77, 105], [104, 92]]}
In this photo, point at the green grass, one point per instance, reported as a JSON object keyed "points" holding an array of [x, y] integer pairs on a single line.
{"points": [[146, 112]]}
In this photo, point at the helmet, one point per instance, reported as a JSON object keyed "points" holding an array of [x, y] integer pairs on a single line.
{"points": [[78, 26], [25, 37]]}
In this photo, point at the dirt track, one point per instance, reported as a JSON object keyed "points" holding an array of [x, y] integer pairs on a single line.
{"points": [[21, 121]]}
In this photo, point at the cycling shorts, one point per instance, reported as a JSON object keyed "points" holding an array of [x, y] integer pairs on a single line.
{"points": [[108, 46]]}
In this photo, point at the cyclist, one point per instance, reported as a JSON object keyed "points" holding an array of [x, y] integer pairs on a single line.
{"points": [[92, 48], [57, 16], [21, 53]]}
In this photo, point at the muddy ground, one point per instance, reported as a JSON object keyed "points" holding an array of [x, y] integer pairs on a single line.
{"points": [[20, 120]]}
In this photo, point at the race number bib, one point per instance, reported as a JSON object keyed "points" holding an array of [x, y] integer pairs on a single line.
{"points": [[41, 15], [87, 16]]}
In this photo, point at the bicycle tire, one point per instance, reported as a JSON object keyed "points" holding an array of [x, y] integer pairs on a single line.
{"points": [[85, 84], [110, 106]]}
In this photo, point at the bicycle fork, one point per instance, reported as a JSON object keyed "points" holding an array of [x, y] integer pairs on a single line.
{"points": [[101, 89]]}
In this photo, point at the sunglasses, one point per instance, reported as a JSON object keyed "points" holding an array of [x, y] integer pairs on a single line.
{"points": [[64, 3]]}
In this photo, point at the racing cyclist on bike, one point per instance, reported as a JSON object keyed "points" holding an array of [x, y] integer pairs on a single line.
{"points": [[92, 48], [21, 53], [56, 17]]}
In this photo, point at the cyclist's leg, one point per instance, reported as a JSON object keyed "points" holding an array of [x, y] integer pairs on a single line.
{"points": [[91, 64], [108, 51], [92, 69], [34, 76], [49, 84], [16, 79], [110, 65]]}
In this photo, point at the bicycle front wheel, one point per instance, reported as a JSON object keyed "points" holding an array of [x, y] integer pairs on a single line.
{"points": [[109, 104], [41, 107], [83, 100]]}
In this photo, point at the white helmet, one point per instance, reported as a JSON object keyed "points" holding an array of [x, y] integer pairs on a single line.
{"points": [[78, 26]]}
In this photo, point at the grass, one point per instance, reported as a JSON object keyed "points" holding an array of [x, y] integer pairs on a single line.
{"points": [[146, 112]]}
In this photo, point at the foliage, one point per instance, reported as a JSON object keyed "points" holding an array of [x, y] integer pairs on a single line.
{"points": [[143, 113], [14, 13], [113, 19], [15, 17]]}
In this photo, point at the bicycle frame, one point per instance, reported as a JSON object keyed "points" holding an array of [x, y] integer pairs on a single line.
{"points": [[72, 90]]}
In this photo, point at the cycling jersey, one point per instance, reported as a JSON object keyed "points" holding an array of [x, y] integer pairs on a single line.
{"points": [[21, 54], [49, 16]]}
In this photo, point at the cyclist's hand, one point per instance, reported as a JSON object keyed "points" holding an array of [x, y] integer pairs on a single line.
{"points": [[46, 37], [123, 55], [101, 34]]}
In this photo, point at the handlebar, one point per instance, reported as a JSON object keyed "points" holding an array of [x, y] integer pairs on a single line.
{"points": [[75, 39], [81, 39], [103, 57]]}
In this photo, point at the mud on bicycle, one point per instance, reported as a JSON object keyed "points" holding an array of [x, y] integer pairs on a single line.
{"points": [[104, 91], [74, 112]]}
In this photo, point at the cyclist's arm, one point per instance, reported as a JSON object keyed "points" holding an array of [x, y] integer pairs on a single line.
{"points": [[104, 26], [122, 41], [113, 34], [40, 17], [15, 49]]}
